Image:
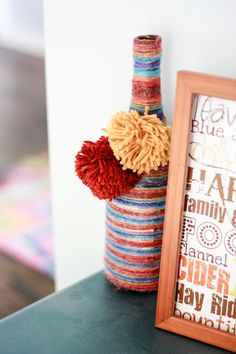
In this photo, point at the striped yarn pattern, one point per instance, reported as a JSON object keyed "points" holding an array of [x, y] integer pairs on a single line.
{"points": [[134, 228], [146, 84]]}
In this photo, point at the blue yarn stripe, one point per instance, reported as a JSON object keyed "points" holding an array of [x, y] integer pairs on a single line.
{"points": [[134, 250], [142, 187], [146, 185], [141, 109], [134, 235], [152, 201], [158, 111], [131, 279], [149, 60], [154, 181], [134, 221], [158, 203], [116, 259], [154, 184], [148, 65], [124, 215], [145, 72]]}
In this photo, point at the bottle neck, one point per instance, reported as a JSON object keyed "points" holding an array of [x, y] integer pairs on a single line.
{"points": [[146, 84]]}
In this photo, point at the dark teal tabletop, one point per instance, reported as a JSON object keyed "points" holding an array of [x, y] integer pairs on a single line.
{"points": [[92, 317]]}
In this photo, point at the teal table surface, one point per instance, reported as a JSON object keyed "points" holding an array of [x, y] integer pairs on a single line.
{"points": [[92, 317]]}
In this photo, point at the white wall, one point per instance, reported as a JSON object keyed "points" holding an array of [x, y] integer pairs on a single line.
{"points": [[21, 25], [89, 70]]}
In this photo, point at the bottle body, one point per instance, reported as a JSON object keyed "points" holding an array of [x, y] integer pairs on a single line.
{"points": [[134, 227]]}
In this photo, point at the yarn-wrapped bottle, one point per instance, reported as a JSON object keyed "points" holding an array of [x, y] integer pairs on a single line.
{"points": [[134, 220]]}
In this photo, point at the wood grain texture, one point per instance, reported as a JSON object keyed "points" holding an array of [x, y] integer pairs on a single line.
{"points": [[188, 85]]}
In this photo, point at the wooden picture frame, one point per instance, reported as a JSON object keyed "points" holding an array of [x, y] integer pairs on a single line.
{"points": [[189, 84]]}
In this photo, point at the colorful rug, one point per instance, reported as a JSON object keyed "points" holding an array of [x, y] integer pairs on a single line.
{"points": [[25, 214]]}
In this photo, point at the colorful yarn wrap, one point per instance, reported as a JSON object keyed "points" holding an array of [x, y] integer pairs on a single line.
{"points": [[134, 220], [146, 84], [134, 225]]}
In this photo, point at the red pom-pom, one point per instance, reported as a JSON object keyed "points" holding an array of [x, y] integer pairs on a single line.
{"points": [[98, 169]]}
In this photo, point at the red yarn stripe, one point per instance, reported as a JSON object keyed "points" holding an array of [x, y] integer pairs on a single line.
{"points": [[146, 99], [151, 227], [136, 243], [162, 171], [132, 258], [147, 272], [140, 212], [144, 194], [131, 286], [151, 82], [146, 92], [153, 43]]}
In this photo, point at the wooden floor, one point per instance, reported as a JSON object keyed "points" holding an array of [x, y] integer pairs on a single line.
{"points": [[23, 131]]}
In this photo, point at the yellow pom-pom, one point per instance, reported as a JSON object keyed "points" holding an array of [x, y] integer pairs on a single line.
{"points": [[140, 143]]}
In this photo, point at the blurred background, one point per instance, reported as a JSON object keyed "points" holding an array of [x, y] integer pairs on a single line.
{"points": [[89, 69], [26, 252]]}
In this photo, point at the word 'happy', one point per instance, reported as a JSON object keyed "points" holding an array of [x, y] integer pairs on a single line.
{"points": [[223, 185]]}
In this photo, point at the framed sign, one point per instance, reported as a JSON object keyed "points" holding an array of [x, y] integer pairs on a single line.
{"points": [[197, 290]]}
